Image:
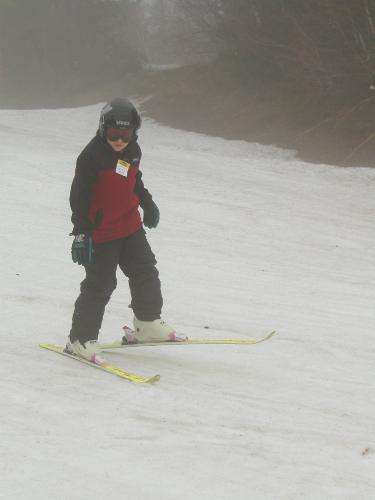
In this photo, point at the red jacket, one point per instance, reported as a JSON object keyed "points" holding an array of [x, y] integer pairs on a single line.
{"points": [[107, 191]]}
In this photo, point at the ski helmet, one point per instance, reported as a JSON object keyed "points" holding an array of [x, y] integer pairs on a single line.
{"points": [[119, 113]]}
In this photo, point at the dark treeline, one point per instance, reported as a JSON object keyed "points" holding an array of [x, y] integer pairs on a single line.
{"points": [[327, 42], [321, 53], [310, 61]]}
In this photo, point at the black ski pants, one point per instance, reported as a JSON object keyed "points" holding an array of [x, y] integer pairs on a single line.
{"points": [[134, 256]]}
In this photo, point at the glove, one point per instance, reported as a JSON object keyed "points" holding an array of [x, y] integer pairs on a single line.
{"points": [[151, 215], [82, 249]]}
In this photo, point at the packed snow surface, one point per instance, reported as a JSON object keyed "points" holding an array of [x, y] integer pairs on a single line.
{"points": [[250, 239]]}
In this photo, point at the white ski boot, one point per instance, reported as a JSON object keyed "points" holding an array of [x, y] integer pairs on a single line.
{"points": [[153, 331], [89, 350]]}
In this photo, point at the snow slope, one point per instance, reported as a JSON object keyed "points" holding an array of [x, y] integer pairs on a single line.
{"points": [[250, 239]]}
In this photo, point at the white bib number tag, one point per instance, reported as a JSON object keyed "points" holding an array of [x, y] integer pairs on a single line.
{"points": [[122, 168]]}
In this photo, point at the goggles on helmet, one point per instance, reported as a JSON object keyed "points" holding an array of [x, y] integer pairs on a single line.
{"points": [[114, 134]]}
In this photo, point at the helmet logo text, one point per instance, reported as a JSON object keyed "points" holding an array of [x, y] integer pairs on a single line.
{"points": [[122, 123]]}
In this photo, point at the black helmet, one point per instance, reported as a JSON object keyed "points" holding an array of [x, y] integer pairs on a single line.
{"points": [[119, 113]]}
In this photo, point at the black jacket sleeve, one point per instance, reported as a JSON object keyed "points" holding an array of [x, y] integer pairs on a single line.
{"points": [[145, 198], [80, 195]]}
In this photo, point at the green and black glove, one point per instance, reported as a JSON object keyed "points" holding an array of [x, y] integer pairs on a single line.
{"points": [[82, 249], [151, 214]]}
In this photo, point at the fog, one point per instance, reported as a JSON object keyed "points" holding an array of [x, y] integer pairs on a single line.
{"points": [[52, 49], [296, 74]]}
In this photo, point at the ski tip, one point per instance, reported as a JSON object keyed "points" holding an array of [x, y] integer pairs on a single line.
{"points": [[271, 334], [153, 379]]}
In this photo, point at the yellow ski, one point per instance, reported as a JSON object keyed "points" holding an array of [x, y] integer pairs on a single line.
{"points": [[120, 344], [104, 366]]}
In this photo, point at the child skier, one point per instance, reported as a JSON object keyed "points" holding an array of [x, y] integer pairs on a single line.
{"points": [[106, 193]]}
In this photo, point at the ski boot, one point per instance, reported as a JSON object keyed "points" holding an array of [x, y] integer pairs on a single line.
{"points": [[89, 350], [150, 332]]}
